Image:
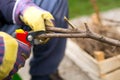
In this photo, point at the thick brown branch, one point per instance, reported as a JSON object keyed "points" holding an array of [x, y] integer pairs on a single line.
{"points": [[104, 39], [61, 35], [82, 35], [76, 33]]}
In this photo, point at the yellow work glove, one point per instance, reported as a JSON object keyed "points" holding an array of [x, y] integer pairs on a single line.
{"points": [[37, 18], [13, 54], [26, 12]]}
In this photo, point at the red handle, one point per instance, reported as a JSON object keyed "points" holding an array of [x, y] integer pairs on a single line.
{"points": [[22, 36]]}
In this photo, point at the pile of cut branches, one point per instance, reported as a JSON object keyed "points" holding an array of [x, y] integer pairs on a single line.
{"points": [[91, 45], [110, 31]]}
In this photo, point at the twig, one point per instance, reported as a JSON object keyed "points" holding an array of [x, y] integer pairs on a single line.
{"points": [[65, 18], [87, 28]]}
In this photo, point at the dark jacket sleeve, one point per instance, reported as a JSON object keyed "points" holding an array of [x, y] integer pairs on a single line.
{"points": [[6, 9]]}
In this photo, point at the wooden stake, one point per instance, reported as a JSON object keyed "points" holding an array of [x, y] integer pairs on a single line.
{"points": [[96, 15], [99, 55]]}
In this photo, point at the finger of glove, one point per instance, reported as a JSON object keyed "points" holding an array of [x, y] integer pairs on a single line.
{"points": [[48, 18], [44, 40], [24, 50], [23, 53], [48, 21]]}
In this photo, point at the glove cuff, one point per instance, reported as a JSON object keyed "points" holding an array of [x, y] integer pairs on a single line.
{"points": [[19, 7]]}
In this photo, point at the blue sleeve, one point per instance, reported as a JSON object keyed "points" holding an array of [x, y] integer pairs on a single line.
{"points": [[6, 9]]}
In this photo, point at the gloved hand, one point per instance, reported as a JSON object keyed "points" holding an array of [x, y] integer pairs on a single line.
{"points": [[13, 54], [36, 18], [32, 15]]}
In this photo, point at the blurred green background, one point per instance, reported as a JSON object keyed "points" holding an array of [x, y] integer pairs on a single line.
{"points": [[84, 7]]}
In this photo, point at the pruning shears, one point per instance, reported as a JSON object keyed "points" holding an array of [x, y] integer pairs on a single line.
{"points": [[35, 37], [27, 37]]}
